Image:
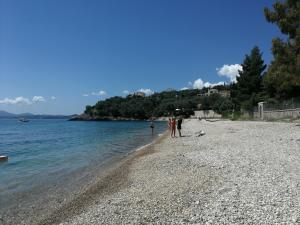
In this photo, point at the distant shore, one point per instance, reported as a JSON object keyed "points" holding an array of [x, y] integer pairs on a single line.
{"points": [[85, 117], [237, 173]]}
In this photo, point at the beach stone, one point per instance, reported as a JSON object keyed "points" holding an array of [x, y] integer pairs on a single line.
{"points": [[238, 173]]}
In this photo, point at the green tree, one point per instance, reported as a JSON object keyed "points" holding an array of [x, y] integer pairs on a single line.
{"points": [[249, 81], [283, 76], [89, 110]]}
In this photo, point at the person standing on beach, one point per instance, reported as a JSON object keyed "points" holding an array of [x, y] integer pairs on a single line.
{"points": [[173, 128], [152, 126], [170, 124], [179, 122]]}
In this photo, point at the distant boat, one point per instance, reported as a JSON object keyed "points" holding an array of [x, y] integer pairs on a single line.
{"points": [[23, 120], [3, 158]]}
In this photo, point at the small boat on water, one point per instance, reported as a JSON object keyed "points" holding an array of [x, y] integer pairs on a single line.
{"points": [[3, 158], [23, 120]]}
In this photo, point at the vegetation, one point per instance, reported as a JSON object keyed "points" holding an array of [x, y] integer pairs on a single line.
{"points": [[156, 105], [246, 93], [280, 82]]}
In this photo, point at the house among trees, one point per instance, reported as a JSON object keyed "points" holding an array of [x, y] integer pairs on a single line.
{"points": [[223, 93], [139, 93], [212, 91]]}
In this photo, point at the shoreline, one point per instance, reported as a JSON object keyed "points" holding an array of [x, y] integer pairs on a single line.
{"points": [[38, 204], [239, 172], [110, 181], [85, 117]]}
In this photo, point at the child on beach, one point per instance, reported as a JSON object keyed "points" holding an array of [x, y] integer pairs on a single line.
{"points": [[173, 128]]}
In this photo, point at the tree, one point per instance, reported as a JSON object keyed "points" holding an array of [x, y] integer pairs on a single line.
{"points": [[89, 110], [283, 76], [249, 81], [223, 106]]}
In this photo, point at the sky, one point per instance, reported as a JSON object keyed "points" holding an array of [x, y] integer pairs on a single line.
{"points": [[57, 56]]}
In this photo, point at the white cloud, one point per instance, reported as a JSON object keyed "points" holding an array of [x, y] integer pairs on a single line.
{"points": [[126, 92], [147, 91], [22, 101], [53, 97], [85, 95], [184, 88], [199, 84], [16, 101], [99, 93], [208, 84], [38, 99], [230, 71]]}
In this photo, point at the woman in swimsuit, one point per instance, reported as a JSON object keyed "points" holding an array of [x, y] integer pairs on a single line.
{"points": [[173, 127], [170, 124]]}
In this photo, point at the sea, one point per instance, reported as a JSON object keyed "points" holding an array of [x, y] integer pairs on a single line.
{"points": [[49, 157]]}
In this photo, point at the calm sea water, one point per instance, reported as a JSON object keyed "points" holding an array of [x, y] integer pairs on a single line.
{"points": [[44, 151]]}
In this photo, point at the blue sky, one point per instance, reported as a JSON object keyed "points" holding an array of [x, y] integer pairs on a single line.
{"points": [[54, 52]]}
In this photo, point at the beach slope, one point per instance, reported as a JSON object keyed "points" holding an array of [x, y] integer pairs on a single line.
{"points": [[237, 173]]}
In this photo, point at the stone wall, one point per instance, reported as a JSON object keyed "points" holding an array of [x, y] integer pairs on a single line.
{"points": [[279, 114], [206, 114]]}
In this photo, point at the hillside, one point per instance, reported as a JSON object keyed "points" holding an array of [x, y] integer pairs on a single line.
{"points": [[6, 114], [166, 103]]}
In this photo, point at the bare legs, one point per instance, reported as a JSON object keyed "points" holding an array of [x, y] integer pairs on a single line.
{"points": [[173, 132], [179, 131]]}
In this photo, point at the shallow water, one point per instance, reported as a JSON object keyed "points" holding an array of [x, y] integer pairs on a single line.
{"points": [[45, 151]]}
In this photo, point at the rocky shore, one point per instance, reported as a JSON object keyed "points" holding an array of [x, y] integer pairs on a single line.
{"points": [[237, 173]]}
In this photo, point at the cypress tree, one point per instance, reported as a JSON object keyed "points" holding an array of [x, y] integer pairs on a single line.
{"points": [[249, 81]]}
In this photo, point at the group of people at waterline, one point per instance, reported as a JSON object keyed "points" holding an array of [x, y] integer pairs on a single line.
{"points": [[172, 124]]}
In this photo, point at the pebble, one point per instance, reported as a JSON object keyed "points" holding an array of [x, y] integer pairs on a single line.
{"points": [[245, 177]]}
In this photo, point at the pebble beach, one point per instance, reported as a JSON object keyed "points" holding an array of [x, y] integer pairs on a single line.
{"points": [[237, 173]]}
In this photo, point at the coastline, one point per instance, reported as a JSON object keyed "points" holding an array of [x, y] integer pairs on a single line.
{"points": [[37, 204], [239, 172], [85, 117], [110, 181]]}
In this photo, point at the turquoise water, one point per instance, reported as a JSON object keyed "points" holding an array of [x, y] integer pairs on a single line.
{"points": [[44, 151]]}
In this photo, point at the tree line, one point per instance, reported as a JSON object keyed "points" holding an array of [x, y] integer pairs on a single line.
{"points": [[256, 82]]}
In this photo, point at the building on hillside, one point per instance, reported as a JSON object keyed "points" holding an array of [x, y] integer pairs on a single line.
{"points": [[212, 91], [224, 93], [139, 93]]}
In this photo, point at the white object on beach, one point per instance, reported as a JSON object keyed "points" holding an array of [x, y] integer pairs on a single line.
{"points": [[201, 133]]}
